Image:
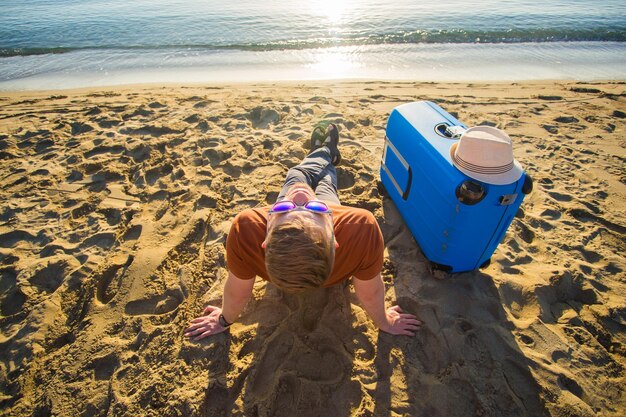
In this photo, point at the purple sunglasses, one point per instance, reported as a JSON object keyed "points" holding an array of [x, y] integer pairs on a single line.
{"points": [[314, 206]]}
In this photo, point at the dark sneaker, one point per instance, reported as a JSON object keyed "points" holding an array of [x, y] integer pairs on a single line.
{"points": [[327, 134]]}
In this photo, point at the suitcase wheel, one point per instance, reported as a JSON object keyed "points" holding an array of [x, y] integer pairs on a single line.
{"points": [[382, 191], [470, 193], [528, 185], [440, 267]]}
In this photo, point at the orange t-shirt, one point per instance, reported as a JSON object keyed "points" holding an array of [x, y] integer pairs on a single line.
{"points": [[360, 253]]}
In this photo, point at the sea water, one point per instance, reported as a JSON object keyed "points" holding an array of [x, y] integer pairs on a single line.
{"points": [[74, 43]]}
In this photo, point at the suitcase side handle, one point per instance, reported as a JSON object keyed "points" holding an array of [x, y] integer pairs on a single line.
{"points": [[390, 147]]}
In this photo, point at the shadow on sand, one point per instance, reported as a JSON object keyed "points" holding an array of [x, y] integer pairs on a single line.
{"points": [[318, 355]]}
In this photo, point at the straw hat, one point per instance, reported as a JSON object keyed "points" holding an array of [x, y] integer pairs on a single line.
{"points": [[485, 153]]}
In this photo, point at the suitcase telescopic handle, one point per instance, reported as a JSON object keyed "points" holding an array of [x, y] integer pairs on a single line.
{"points": [[449, 131]]}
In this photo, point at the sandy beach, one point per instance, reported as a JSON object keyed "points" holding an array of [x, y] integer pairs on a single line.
{"points": [[115, 207]]}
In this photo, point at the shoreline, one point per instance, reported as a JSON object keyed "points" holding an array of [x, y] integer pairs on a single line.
{"points": [[117, 205], [398, 62], [317, 83]]}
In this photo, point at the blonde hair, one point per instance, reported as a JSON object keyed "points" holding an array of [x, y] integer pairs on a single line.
{"points": [[299, 255]]}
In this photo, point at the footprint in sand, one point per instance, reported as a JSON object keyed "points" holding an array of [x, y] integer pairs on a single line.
{"points": [[245, 143], [570, 385], [105, 292], [546, 183], [11, 297], [80, 128], [13, 238], [103, 240], [345, 179], [100, 150], [215, 157], [104, 123], [551, 129], [203, 126], [324, 364], [194, 118], [566, 119], [83, 210], [210, 142], [270, 198], [156, 105], [589, 255], [40, 172], [156, 305], [90, 168], [261, 117], [150, 130], [50, 277], [154, 174], [231, 170], [560, 197], [586, 216], [550, 98], [524, 232], [205, 202], [551, 214], [201, 104], [276, 352], [140, 112], [104, 366], [432, 351], [527, 340], [133, 233], [573, 288], [520, 383], [488, 123], [269, 144], [94, 111], [289, 388], [44, 146]]}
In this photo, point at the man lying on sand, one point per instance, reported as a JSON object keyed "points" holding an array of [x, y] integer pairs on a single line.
{"points": [[306, 240]]}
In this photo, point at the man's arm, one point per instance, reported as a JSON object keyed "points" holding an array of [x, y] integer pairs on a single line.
{"points": [[371, 294], [237, 292]]}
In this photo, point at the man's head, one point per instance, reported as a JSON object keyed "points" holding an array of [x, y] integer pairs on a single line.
{"points": [[300, 244]]}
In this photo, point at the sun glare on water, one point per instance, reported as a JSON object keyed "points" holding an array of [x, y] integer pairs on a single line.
{"points": [[335, 62], [332, 10]]}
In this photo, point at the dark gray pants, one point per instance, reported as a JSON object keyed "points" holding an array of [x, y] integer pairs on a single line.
{"points": [[318, 172]]}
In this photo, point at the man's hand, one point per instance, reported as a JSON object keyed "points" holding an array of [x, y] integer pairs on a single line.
{"points": [[371, 294], [400, 323], [206, 325]]}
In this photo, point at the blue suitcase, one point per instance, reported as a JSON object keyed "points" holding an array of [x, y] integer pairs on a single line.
{"points": [[457, 221]]}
